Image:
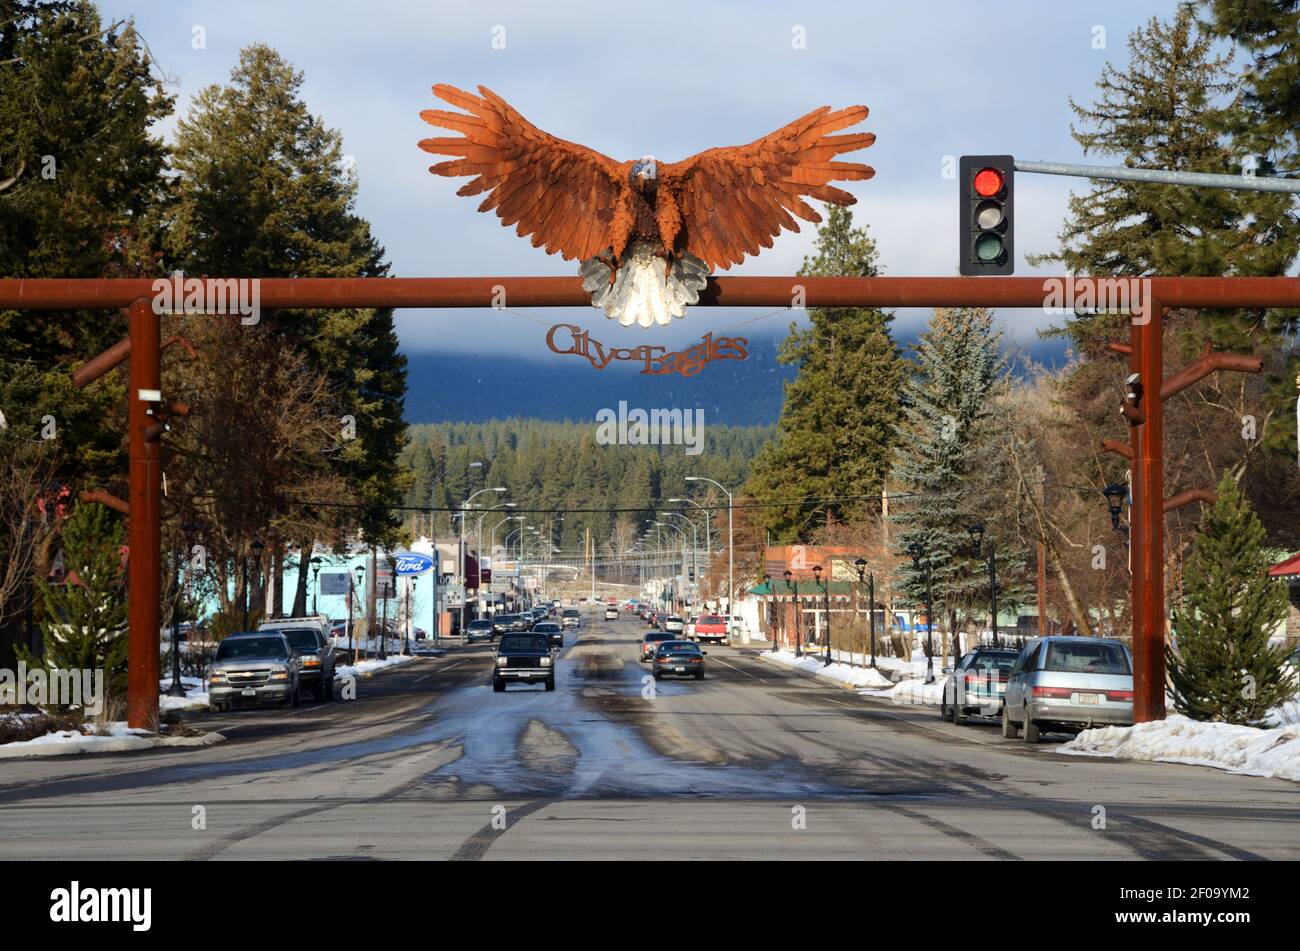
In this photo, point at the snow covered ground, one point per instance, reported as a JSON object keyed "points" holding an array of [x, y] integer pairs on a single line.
{"points": [[196, 696], [1238, 749], [106, 738], [843, 673]]}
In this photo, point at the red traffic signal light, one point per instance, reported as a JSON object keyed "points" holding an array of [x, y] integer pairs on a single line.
{"points": [[985, 229]]}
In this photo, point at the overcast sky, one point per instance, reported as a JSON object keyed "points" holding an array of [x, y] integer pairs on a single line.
{"points": [[941, 78]]}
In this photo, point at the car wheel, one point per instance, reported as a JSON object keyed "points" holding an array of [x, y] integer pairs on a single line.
{"points": [[1031, 729], [958, 713], [329, 688], [943, 707], [214, 708], [1008, 728], [497, 685], [658, 676], [318, 692], [550, 683], [699, 675]]}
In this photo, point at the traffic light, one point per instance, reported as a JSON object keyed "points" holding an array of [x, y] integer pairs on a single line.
{"points": [[987, 210]]}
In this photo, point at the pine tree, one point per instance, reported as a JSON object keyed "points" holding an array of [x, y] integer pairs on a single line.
{"points": [[1222, 668], [947, 407], [264, 190], [838, 423], [86, 617], [1167, 109]]}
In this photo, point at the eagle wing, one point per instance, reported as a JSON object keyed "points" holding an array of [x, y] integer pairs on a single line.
{"points": [[565, 195], [733, 200]]}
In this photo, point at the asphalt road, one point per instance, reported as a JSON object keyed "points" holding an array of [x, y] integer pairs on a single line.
{"points": [[752, 762]]}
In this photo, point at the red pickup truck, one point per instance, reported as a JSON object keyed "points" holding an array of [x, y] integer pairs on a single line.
{"points": [[711, 627]]}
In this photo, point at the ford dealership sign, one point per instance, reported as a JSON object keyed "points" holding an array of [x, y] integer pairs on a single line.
{"points": [[407, 563]]}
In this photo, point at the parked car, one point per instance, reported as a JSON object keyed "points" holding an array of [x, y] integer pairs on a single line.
{"points": [[611, 613], [551, 629], [651, 641], [690, 626], [480, 629], [678, 659], [675, 625], [711, 627], [570, 617], [977, 684], [523, 658], [1068, 684], [317, 660], [252, 668]]}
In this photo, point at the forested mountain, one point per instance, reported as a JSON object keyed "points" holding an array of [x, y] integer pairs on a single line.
{"points": [[550, 467]]}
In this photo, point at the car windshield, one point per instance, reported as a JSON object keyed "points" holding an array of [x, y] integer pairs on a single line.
{"points": [[988, 661], [233, 648], [525, 642], [1087, 657], [480, 624], [657, 636], [302, 638], [571, 612], [710, 619], [679, 647], [547, 626]]}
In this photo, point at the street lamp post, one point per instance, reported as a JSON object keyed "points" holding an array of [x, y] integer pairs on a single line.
{"points": [[977, 536], [708, 536], [921, 561], [826, 592], [360, 571], [798, 610], [464, 507], [177, 689], [731, 548], [861, 565], [315, 584]]}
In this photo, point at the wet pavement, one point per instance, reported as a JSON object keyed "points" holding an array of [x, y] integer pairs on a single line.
{"points": [[752, 762]]}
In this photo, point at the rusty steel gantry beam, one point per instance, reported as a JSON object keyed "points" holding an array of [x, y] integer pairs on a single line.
{"points": [[1145, 352]]}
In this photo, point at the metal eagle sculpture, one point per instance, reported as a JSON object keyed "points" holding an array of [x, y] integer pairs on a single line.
{"points": [[647, 233]]}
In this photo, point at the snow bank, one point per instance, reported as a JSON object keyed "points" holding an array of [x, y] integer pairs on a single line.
{"points": [[916, 692], [1238, 749], [117, 738], [196, 695], [842, 673], [370, 666]]}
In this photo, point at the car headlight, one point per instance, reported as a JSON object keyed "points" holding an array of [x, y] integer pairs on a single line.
{"points": [[501, 661], [217, 677], [546, 662], [280, 673], [311, 661]]}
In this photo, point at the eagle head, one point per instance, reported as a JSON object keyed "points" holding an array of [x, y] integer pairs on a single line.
{"points": [[645, 174]]}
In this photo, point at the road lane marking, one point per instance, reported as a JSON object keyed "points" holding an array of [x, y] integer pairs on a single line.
{"points": [[718, 660]]}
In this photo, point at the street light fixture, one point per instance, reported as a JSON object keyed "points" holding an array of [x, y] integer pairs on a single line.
{"points": [[1115, 494], [921, 562]]}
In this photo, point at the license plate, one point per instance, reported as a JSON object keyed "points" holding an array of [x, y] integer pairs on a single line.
{"points": [[248, 692], [1089, 698], [679, 670]]}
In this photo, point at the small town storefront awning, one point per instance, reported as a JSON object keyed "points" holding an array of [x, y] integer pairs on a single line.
{"points": [[1288, 569]]}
